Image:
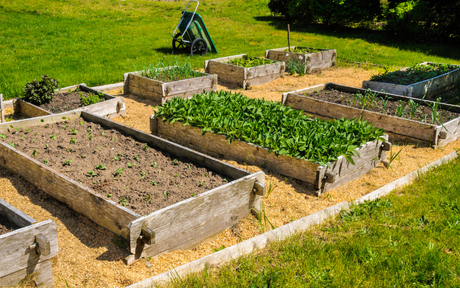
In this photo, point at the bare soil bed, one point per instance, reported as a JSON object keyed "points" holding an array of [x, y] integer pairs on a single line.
{"points": [[6, 225], [130, 173], [63, 102], [423, 113]]}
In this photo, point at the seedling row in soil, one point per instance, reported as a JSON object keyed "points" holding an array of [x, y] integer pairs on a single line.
{"points": [[247, 61], [114, 165], [425, 112], [171, 71]]}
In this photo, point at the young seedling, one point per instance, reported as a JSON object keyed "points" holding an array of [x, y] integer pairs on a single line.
{"points": [[72, 140], [118, 172], [64, 127], [68, 149], [193, 195], [115, 158], [101, 167], [53, 137], [111, 139], [67, 162], [45, 161], [102, 133], [176, 162], [165, 193], [123, 202], [81, 122], [147, 197], [201, 183], [153, 183], [83, 156], [154, 164], [175, 175], [74, 131], [36, 133], [136, 158], [121, 155], [12, 144], [129, 165], [224, 180], [91, 174], [35, 152], [32, 141], [2, 136], [188, 166], [142, 174], [109, 195], [146, 147]]}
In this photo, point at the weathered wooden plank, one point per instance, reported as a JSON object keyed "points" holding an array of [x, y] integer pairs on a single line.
{"points": [[2, 109], [44, 120], [266, 70], [226, 72], [192, 213], [183, 86], [28, 109], [388, 123], [42, 276], [110, 108], [262, 80], [222, 60], [79, 198], [171, 147], [452, 128], [238, 150], [404, 90], [14, 215], [323, 59], [142, 83], [158, 98], [15, 251]]}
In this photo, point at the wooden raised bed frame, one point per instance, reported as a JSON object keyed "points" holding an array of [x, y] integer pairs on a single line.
{"points": [[438, 135], [241, 76], [112, 106], [432, 87], [160, 92], [323, 59], [179, 226], [27, 250], [323, 178]]}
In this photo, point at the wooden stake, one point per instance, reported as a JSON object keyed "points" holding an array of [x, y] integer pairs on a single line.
{"points": [[2, 111], [289, 38]]}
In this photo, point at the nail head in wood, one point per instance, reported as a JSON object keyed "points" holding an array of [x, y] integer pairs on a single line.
{"points": [[43, 245], [330, 177], [260, 189], [386, 146], [147, 236]]}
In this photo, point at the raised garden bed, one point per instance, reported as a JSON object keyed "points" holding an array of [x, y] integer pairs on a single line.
{"points": [[68, 99], [312, 59], [113, 174], [162, 88], [390, 112], [245, 128], [26, 247], [425, 80], [242, 76]]}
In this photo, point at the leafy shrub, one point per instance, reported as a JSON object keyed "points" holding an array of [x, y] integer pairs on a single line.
{"points": [[40, 92], [272, 125], [91, 99]]}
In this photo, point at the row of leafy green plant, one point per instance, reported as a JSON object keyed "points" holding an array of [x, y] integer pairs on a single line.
{"points": [[279, 128], [42, 91], [414, 74], [170, 70], [248, 61], [303, 50]]}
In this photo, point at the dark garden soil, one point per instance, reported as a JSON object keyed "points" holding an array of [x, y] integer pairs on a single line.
{"points": [[147, 179], [422, 113], [6, 226], [63, 102]]}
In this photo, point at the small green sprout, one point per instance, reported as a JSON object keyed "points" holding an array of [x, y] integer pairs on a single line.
{"points": [[2, 136], [153, 183], [111, 139], [188, 166], [83, 156], [74, 131], [142, 174], [45, 161], [109, 195], [91, 174], [32, 141], [146, 147], [123, 202], [67, 162], [102, 133], [64, 127], [165, 193], [82, 122], [118, 172], [148, 198], [12, 144], [101, 167], [154, 164], [35, 152], [53, 137], [176, 162], [201, 183], [136, 158], [115, 158], [129, 165], [72, 141], [193, 195], [121, 155]]}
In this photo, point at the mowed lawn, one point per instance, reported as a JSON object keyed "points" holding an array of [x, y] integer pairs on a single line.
{"points": [[408, 239], [96, 41]]}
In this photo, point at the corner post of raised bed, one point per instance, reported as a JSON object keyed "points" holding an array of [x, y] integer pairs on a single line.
{"points": [[2, 110], [153, 124], [126, 83]]}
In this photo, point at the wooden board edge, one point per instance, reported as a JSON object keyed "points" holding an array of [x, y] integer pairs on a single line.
{"points": [[15, 215]]}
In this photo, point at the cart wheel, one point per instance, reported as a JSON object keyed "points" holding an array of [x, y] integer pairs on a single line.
{"points": [[177, 42], [199, 47]]}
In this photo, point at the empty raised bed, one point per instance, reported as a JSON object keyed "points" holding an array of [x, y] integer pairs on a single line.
{"points": [[162, 84], [245, 71], [26, 247], [311, 59], [426, 120], [157, 194], [273, 136], [425, 80], [73, 98]]}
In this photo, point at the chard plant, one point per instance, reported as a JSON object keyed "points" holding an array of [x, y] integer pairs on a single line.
{"points": [[248, 61]]}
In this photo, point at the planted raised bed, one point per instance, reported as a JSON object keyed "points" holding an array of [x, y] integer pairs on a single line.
{"points": [[311, 59], [425, 80], [26, 247], [273, 136], [113, 174], [245, 71], [426, 120], [163, 84], [69, 99]]}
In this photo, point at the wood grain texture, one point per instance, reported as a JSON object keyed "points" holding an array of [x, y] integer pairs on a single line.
{"points": [[42, 276], [14, 215], [79, 198], [389, 123], [40, 120], [404, 90], [185, 218], [452, 128], [318, 60], [28, 109], [15, 253]]}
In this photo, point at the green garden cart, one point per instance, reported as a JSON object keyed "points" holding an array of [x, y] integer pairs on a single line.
{"points": [[192, 34]]}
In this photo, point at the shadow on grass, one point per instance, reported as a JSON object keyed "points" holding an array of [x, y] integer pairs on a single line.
{"points": [[439, 47]]}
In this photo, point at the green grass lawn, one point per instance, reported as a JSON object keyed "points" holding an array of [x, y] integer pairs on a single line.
{"points": [[96, 41], [408, 239]]}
